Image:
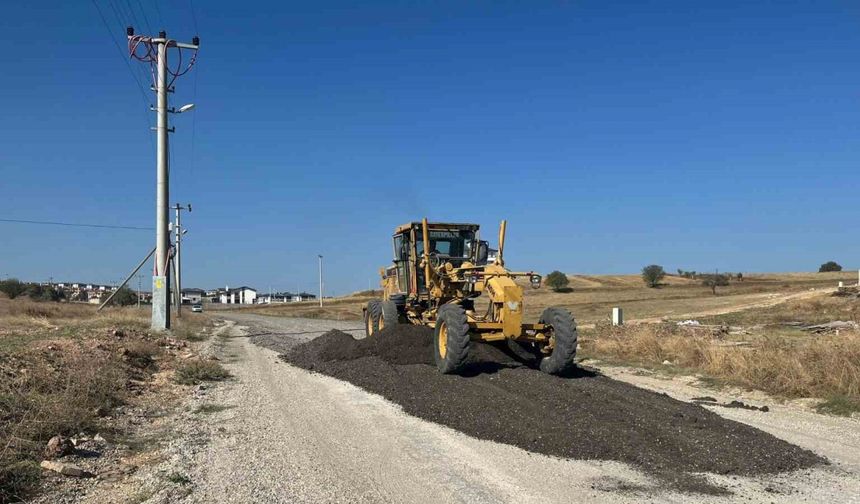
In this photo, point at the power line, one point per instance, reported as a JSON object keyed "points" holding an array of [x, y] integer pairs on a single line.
{"points": [[121, 53], [158, 11], [145, 18], [133, 14], [194, 17], [127, 65], [194, 122], [52, 223], [121, 26]]}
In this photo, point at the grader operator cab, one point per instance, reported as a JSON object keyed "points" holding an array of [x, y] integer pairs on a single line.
{"points": [[439, 271]]}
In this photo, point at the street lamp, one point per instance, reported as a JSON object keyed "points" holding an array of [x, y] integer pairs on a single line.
{"points": [[321, 284], [185, 108]]}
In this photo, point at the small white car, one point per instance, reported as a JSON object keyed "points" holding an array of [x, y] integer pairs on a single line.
{"points": [[197, 308]]}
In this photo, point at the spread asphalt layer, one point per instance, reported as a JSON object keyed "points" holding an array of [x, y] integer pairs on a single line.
{"points": [[583, 416]]}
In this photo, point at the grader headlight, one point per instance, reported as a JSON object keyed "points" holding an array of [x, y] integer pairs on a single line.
{"points": [[535, 281]]}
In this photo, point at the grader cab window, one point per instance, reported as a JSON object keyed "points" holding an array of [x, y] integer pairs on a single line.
{"points": [[452, 243], [401, 256], [400, 251]]}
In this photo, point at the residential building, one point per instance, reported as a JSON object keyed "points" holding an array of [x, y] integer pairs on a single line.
{"points": [[277, 297], [192, 296], [238, 295]]}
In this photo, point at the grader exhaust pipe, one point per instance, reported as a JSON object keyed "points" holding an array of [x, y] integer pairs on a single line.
{"points": [[500, 260]]}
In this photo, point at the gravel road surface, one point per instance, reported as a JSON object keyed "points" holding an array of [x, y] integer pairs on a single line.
{"points": [[278, 433]]}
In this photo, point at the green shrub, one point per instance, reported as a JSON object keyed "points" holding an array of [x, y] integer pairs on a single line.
{"points": [[556, 280], [652, 274], [714, 281], [13, 287], [196, 371], [839, 404], [829, 266], [124, 297]]}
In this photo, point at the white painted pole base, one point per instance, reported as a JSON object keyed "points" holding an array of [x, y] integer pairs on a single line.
{"points": [[160, 304], [617, 316]]}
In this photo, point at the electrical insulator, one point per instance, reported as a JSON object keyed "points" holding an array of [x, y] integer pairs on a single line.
{"points": [[195, 40], [129, 30]]}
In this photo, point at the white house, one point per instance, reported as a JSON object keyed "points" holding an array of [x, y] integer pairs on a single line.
{"points": [[192, 296], [238, 295], [277, 297]]}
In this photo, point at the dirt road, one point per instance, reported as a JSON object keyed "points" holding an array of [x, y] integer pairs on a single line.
{"points": [[278, 433]]}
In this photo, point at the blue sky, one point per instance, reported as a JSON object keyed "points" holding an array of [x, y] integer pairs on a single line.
{"points": [[610, 135]]}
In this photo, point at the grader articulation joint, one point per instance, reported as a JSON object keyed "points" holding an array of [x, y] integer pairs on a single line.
{"points": [[440, 270]]}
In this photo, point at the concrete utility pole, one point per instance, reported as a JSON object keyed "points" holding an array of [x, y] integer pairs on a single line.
{"points": [[160, 276], [321, 285], [157, 54], [177, 228]]}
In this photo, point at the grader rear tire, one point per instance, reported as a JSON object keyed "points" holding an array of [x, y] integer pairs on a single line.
{"points": [[563, 327], [371, 317], [389, 314], [451, 339]]}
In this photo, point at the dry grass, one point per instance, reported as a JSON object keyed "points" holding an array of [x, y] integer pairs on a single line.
{"points": [[772, 356], [196, 371], [808, 311], [784, 363], [57, 389], [64, 366]]}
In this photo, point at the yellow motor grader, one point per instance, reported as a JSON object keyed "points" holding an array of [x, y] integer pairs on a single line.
{"points": [[439, 270]]}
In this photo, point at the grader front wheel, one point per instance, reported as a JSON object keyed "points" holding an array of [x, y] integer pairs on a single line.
{"points": [[388, 314], [379, 314], [563, 332], [451, 339], [371, 317]]}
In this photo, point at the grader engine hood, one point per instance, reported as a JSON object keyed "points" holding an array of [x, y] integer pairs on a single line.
{"points": [[508, 297]]}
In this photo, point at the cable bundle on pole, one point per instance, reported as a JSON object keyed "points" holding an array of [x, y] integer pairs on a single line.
{"points": [[151, 55]]}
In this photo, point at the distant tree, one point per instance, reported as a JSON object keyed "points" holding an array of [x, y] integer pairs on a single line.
{"points": [[557, 280], [34, 291], [13, 287], [52, 294], [740, 276], [124, 297], [687, 274], [652, 274], [830, 266], [714, 281]]}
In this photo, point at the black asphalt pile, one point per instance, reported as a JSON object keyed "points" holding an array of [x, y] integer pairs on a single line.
{"points": [[409, 344], [582, 416]]}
